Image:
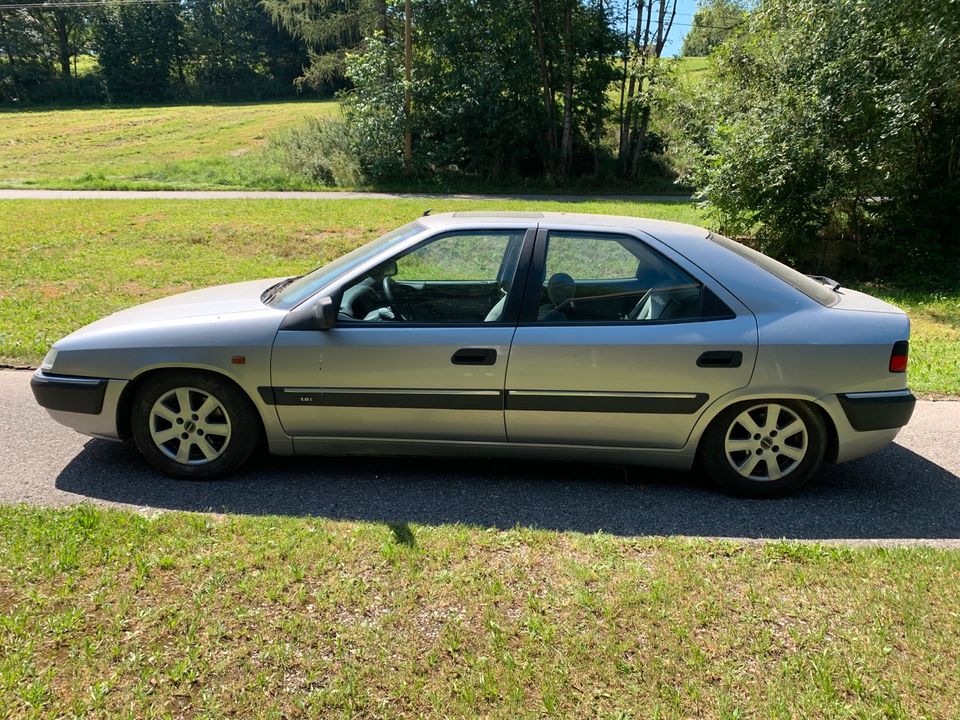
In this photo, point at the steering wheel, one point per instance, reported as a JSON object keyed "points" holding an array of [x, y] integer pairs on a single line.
{"points": [[391, 293]]}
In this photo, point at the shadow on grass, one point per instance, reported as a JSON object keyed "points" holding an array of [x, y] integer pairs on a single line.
{"points": [[893, 494]]}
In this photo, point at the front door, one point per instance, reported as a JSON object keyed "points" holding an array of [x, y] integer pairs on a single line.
{"points": [[419, 350], [620, 346]]}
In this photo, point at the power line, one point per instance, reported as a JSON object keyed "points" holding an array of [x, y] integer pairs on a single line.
{"points": [[84, 3]]}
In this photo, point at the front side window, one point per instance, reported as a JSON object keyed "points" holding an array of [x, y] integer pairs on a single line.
{"points": [[460, 277], [616, 278]]}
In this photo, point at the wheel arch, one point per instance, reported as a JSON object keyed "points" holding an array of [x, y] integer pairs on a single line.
{"points": [[721, 404], [130, 390]]}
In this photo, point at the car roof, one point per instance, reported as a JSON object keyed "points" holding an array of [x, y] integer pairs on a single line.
{"points": [[453, 220]]}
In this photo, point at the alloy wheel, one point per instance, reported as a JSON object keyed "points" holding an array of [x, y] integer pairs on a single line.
{"points": [[190, 426], [766, 442]]}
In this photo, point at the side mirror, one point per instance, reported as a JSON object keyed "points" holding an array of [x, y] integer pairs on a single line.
{"points": [[320, 315], [326, 313]]}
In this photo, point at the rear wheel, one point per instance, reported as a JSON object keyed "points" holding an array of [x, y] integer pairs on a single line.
{"points": [[193, 425], [765, 448]]}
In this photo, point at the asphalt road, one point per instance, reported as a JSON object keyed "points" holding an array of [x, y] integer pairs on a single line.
{"points": [[31, 194], [905, 494]]}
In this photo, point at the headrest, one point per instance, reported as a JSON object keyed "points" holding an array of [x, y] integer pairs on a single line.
{"points": [[561, 288]]}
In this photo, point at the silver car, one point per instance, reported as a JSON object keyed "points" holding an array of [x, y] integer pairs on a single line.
{"points": [[556, 335]]}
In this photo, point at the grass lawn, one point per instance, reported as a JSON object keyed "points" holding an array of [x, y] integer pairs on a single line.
{"points": [[934, 337], [64, 264], [694, 70], [112, 614], [172, 146]]}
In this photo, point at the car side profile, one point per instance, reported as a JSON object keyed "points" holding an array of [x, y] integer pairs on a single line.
{"points": [[569, 336]]}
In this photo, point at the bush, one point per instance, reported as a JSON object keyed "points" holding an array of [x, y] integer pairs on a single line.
{"points": [[322, 151], [831, 132]]}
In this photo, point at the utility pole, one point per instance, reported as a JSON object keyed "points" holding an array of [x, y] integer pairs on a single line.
{"points": [[407, 78]]}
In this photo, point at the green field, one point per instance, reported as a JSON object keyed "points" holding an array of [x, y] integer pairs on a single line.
{"points": [[109, 614], [66, 263], [175, 146], [694, 70]]}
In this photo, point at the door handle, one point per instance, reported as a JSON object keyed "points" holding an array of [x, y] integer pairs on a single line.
{"points": [[474, 356], [720, 359]]}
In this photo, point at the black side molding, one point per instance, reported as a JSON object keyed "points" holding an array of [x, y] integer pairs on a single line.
{"points": [[681, 404], [69, 394], [878, 411], [374, 398]]}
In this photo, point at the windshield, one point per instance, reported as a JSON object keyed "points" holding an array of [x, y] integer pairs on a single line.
{"points": [[809, 286], [303, 287]]}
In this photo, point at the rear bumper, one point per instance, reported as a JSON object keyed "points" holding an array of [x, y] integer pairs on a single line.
{"points": [[886, 410], [87, 405]]}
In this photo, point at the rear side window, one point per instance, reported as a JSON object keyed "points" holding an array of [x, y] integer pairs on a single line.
{"points": [[804, 283]]}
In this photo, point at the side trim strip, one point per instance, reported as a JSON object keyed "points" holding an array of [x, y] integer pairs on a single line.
{"points": [[878, 394], [385, 398], [535, 400], [645, 403]]}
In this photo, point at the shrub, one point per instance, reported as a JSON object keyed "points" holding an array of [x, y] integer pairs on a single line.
{"points": [[832, 132], [321, 151]]}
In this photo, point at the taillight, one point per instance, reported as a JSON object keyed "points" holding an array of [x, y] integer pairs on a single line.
{"points": [[898, 358]]}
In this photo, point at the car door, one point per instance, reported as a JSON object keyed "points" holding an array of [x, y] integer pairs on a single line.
{"points": [[419, 349], [619, 345]]}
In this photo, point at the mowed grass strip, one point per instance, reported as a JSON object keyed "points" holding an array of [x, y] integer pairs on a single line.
{"points": [[112, 614], [64, 264], [169, 146]]}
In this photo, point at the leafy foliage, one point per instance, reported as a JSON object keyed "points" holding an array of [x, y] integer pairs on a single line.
{"points": [[322, 150], [713, 23], [833, 132], [138, 48], [143, 52], [479, 103]]}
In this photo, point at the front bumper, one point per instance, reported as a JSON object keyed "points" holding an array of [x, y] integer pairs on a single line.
{"points": [[87, 405], [70, 394], [878, 410]]}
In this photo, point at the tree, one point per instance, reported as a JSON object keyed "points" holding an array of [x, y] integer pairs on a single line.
{"points": [[62, 26], [330, 29], [641, 70], [833, 131], [712, 24], [139, 50], [233, 49]]}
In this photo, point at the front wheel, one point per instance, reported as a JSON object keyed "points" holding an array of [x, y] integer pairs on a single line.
{"points": [[764, 448], [193, 425]]}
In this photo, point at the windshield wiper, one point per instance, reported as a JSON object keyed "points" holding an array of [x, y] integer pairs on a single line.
{"points": [[824, 280], [270, 294]]}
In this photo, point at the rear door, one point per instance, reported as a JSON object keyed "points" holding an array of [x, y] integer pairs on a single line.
{"points": [[619, 345]]}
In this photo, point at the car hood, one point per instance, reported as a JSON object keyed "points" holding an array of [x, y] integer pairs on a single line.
{"points": [[243, 297]]}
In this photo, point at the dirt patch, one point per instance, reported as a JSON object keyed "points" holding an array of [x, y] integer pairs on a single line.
{"points": [[53, 290]]}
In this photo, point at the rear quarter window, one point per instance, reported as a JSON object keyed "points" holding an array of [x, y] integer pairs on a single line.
{"points": [[796, 279]]}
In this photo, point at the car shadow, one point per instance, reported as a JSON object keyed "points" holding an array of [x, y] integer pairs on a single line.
{"points": [[892, 494]]}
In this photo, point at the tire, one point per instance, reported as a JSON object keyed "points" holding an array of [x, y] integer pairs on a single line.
{"points": [[764, 448], [214, 438]]}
